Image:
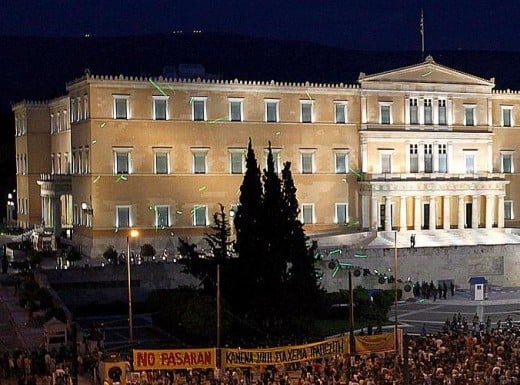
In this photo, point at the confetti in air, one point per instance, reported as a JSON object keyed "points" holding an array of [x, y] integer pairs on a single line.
{"points": [[357, 173], [278, 132], [202, 188], [121, 177], [218, 119], [179, 212], [94, 141], [97, 178], [103, 124], [308, 94]]}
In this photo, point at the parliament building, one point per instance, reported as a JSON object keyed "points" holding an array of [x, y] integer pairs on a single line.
{"points": [[421, 148]]}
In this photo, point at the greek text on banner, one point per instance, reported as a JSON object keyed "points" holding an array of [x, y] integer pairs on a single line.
{"points": [[283, 354], [153, 359]]}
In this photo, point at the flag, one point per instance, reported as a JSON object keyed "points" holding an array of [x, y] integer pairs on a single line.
{"points": [[422, 23]]}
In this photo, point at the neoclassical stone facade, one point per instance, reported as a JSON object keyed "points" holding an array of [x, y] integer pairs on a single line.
{"points": [[414, 148]]}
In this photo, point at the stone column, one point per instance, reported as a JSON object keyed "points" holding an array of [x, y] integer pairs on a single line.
{"points": [[433, 214], [364, 156], [402, 214], [500, 212], [474, 212], [417, 213], [435, 111], [388, 214], [56, 214], [365, 212], [449, 157], [446, 220], [490, 209], [374, 214], [407, 111], [462, 213], [364, 116]]}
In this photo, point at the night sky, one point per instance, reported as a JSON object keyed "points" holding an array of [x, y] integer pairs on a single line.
{"points": [[351, 24]]}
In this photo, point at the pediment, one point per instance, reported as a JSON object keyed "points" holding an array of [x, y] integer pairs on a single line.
{"points": [[425, 72]]}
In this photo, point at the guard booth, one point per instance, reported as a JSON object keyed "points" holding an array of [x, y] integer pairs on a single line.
{"points": [[478, 288]]}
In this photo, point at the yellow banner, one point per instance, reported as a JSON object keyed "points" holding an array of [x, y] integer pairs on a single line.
{"points": [[377, 343], [284, 354], [167, 359]]}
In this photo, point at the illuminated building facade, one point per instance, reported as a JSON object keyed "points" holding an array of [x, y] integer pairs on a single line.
{"points": [[423, 147]]}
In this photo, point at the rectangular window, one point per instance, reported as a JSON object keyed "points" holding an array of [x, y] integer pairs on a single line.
{"points": [[443, 158], [276, 159], [341, 162], [85, 107], [341, 213], [386, 163], [385, 111], [507, 162], [507, 116], [272, 110], [235, 109], [160, 107], [198, 105], [414, 111], [306, 111], [200, 215], [307, 162], [414, 159], [508, 210], [199, 162], [122, 162], [79, 112], [52, 123], [428, 159], [340, 112], [122, 216], [162, 216], [162, 162], [120, 107], [469, 115], [469, 161], [73, 110], [428, 111], [237, 160], [308, 213], [442, 112]]}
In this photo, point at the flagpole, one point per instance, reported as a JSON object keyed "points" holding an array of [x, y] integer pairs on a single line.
{"points": [[422, 33]]}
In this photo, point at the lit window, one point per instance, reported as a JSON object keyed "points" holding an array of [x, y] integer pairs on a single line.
{"points": [[507, 165], [508, 210], [52, 124], [276, 159], [307, 162], [237, 161], [200, 215], [85, 107], [120, 106], [73, 110], [198, 105], [428, 158], [469, 163], [162, 162], [414, 158], [428, 111], [469, 115], [79, 111], [307, 213], [414, 112], [443, 158], [341, 162], [340, 112], [122, 216], [442, 112], [272, 110], [235, 109], [162, 216], [160, 107], [386, 160], [122, 161], [306, 111], [385, 112], [341, 213], [199, 161], [507, 116]]}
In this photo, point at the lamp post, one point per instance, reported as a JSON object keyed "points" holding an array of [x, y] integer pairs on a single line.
{"points": [[133, 234]]}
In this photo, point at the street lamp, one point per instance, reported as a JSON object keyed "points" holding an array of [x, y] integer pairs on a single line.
{"points": [[133, 234]]}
